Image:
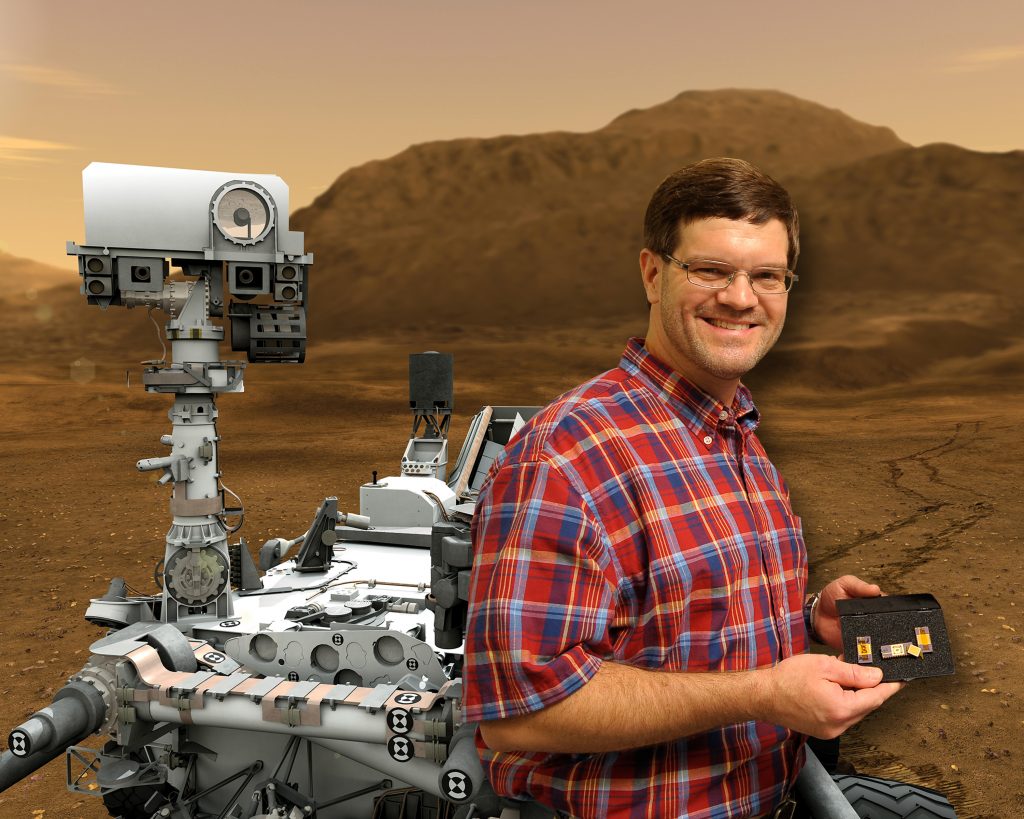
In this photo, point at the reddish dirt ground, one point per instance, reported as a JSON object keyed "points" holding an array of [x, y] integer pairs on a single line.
{"points": [[916, 489]]}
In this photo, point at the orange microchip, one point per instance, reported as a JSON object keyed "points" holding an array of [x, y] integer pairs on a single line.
{"points": [[864, 650]]}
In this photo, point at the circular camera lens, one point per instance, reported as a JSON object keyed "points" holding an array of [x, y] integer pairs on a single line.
{"points": [[245, 276], [95, 265], [96, 287], [288, 292], [288, 272]]}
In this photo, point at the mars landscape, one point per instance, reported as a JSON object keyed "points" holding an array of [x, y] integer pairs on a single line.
{"points": [[892, 403]]}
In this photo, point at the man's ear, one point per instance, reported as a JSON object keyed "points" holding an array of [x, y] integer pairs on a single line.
{"points": [[651, 266]]}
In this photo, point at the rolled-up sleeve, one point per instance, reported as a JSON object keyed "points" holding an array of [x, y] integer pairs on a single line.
{"points": [[542, 595]]}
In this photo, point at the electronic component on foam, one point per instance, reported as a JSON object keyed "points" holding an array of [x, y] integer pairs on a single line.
{"points": [[864, 655], [904, 635]]}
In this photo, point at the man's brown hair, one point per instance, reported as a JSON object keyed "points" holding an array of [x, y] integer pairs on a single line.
{"points": [[723, 188]]}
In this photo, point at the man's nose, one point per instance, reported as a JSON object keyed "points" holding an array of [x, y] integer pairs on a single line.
{"points": [[739, 293]]}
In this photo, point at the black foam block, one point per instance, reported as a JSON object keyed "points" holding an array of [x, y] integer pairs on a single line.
{"points": [[893, 620]]}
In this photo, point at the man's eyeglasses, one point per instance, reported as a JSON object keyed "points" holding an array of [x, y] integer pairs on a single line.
{"points": [[766, 281]]}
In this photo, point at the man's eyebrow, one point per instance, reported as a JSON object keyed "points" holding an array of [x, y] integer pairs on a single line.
{"points": [[700, 257]]}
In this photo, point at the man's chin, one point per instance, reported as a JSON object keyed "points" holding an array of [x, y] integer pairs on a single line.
{"points": [[730, 370]]}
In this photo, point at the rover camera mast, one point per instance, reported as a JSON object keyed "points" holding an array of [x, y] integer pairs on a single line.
{"points": [[224, 224]]}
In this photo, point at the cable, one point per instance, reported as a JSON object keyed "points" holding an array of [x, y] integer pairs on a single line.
{"points": [[240, 512], [440, 506], [370, 583], [163, 347]]}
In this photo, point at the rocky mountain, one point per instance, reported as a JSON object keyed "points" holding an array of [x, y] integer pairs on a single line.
{"points": [[542, 229], [937, 217], [24, 280], [909, 266]]}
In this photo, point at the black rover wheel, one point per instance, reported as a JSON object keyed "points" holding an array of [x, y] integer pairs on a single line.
{"points": [[875, 798], [130, 803]]}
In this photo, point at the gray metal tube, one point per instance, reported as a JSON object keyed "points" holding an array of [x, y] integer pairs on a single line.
{"points": [[355, 521], [420, 773], [244, 714], [15, 768], [77, 711], [819, 792], [463, 762]]}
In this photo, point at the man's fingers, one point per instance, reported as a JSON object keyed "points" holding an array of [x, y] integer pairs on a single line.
{"points": [[890, 689], [856, 587], [868, 699], [854, 676]]}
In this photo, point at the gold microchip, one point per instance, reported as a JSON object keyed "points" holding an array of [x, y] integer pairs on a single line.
{"points": [[899, 650], [913, 650], [924, 639], [864, 650]]}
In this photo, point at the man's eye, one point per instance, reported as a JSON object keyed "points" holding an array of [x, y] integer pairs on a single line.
{"points": [[768, 275], [711, 272]]}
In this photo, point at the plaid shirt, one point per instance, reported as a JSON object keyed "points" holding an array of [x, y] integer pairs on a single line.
{"points": [[637, 520]]}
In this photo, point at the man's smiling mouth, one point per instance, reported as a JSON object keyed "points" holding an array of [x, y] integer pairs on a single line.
{"points": [[729, 325]]}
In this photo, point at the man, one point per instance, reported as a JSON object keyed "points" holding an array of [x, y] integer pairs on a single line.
{"points": [[637, 638]]}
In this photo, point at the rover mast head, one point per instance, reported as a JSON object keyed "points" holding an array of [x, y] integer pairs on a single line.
{"points": [[140, 220]]}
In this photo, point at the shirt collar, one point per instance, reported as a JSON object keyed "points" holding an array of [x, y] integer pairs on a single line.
{"points": [[698, 410]]}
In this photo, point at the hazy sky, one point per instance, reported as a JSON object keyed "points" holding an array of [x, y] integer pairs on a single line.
{"points": [[308, 89]]}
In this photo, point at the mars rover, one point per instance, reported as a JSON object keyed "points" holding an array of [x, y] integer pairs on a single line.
{"points": [[324, 681]]}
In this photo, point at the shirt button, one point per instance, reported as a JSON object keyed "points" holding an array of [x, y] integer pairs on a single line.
{"points": [[782, 612], [708, 439], [723, 415]]}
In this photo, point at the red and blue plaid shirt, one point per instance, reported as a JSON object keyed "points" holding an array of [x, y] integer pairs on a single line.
{"points": [[636, 520]]}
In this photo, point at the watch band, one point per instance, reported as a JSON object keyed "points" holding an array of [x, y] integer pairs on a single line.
{"points": [[810, 609]]}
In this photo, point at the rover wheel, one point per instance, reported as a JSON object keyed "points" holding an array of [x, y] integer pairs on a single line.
{"points": [[875, 798]]}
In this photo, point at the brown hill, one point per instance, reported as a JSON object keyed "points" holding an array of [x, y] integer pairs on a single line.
{"points": [[25, 280], [48, 323], [540, 229], [910, 255], [918, 219], [910, 269]]}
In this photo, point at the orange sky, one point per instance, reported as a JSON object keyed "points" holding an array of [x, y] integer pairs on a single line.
{"points": [[308, 89]]}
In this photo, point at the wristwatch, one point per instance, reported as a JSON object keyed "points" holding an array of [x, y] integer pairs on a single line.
{"points": [[810, 609]]}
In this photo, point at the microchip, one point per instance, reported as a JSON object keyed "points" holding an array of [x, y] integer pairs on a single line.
{"points": [[886, 652], [924, 639], [899, 649], [913, 650], [864, 655]]}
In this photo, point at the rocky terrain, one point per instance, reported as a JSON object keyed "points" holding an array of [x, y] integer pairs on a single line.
{"points": [[892, 403]]}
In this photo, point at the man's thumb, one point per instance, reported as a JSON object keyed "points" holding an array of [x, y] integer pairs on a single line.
{"points": [[849, 675]]}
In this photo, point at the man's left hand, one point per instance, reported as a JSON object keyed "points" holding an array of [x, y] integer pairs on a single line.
{"points": [[826, 617]]}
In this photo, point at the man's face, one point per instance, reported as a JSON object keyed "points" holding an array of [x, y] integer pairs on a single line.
{"points": [[714, 337]]}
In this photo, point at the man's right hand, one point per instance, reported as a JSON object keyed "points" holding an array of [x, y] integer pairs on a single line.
{"points": [[823, 696]]}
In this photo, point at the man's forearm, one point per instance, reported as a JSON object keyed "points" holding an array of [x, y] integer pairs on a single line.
{"points": [[626, 707]]}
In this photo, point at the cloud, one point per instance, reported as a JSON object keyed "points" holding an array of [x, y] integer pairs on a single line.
{"points": [[58, 78], [19, 149], [984, 59]]}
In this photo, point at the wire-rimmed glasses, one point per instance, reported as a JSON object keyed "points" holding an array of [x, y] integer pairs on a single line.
{"points": [[765, 281]]}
